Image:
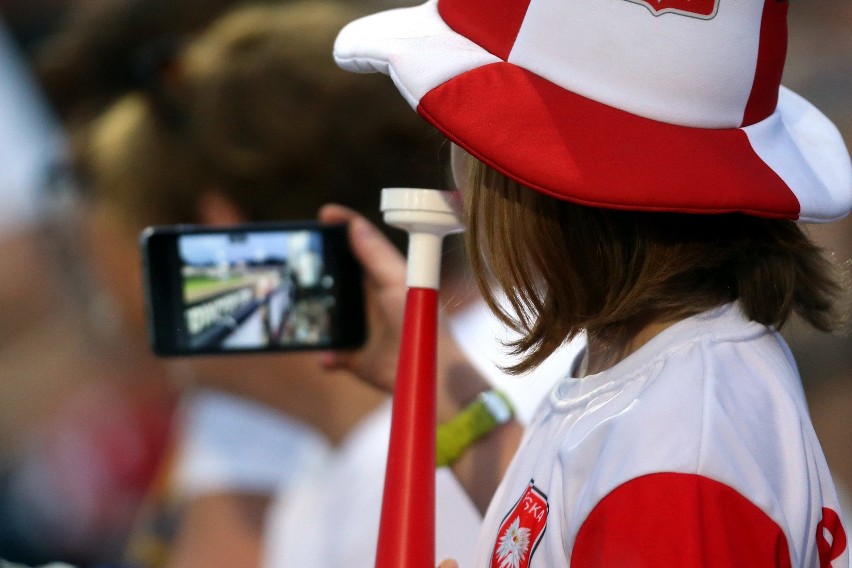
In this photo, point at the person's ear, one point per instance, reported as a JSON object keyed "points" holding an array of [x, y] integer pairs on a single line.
{"points": [[215, 208]]}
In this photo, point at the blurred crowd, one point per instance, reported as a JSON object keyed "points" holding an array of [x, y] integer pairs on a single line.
{"points": [[120, 114]]}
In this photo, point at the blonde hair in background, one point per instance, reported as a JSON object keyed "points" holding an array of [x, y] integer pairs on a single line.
{"points": [[256, 108]]}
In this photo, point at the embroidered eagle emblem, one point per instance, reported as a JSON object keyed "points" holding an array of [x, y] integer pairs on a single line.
{"points": [[521, 530]]}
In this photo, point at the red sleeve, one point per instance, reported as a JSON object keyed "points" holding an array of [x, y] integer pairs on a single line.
{"points": [[676, 519]]}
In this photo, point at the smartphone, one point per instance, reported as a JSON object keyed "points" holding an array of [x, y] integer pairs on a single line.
{"points": [[257, 287]]}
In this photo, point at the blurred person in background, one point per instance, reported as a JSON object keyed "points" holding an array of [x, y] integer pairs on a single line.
{"points": [[88, 419], [30, 144], [85, 418], [91, 51], [69, 448]]}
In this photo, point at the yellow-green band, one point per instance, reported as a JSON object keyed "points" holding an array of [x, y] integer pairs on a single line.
{"points": [[468, 426]]}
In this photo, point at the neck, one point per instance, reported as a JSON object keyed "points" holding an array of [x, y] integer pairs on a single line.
{"points": [[601, 355]]}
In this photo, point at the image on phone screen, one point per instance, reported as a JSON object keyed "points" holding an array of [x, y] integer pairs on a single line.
{"points": [[252, 290]]}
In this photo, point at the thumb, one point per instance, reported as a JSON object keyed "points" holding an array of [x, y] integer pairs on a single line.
{"points": [[448, 564], [382, 262]]}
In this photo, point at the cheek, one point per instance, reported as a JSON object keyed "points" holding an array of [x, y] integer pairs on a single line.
{"points": [[460, 165]]}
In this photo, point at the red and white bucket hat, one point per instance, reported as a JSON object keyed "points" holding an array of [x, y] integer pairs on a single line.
{"points": [[654, 105]]}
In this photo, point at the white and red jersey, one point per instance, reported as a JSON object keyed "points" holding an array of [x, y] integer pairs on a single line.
{"points": [[696, 450]]}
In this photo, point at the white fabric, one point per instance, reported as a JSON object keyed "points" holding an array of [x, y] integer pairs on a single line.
{"points": [[714, 395], [619, 54], [29, 139], [230, 444], [398, 40], [800, 145]]}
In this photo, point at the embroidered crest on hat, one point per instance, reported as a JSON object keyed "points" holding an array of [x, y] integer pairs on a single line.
{"points": [[704, 9], [521, 530]]}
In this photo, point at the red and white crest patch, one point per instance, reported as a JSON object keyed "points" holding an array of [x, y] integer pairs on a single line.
{"points": [[521, 530], [704, 9]]}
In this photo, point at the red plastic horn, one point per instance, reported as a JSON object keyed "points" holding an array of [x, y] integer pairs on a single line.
{"points": [[407, 529]]}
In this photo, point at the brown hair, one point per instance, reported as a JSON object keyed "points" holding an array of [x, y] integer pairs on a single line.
{"points": [[92, 55], [256, 108], [567, 268]]}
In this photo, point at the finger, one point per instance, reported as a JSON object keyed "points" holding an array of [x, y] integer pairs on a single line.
{"points": [[381, 260], [448, 564], [331, 360], [334, 213]]}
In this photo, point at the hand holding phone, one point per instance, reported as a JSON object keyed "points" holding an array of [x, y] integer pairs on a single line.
{"points": [[385, 276], [257, 287]]}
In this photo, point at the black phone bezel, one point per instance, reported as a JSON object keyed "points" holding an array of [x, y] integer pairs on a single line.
{"points": [[163, 287]]}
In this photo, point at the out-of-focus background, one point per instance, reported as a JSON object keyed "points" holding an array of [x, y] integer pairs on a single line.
{"points": [[84, 427]]}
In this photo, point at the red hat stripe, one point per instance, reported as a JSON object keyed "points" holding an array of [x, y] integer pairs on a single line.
{"points": [[772, 52], [621, 160], [492, 24]]}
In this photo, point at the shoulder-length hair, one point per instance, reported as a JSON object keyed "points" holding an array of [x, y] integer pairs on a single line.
{"points": [[567, 268]]}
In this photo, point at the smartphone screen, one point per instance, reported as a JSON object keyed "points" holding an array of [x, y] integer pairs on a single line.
{"points": [[251, 288]]}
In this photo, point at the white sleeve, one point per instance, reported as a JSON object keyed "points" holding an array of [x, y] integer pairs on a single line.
{"points": [[228, 443]]}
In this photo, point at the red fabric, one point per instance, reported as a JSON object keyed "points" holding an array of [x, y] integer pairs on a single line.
{"points": [[771, 54], [574, 148], [703, 8], [492, 24], [675, 519], [830, 538]]}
